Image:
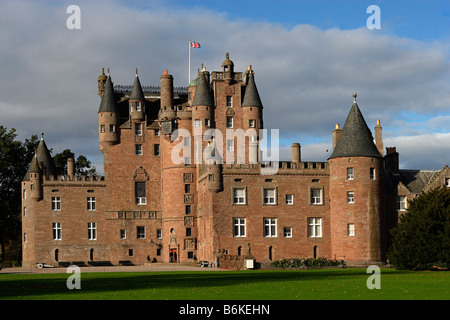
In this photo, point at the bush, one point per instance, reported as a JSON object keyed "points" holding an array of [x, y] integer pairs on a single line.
{"points": [[305, 263], [421, 239]]}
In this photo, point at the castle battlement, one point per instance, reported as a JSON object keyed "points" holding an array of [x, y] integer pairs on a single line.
{"points": [[75, 179]]}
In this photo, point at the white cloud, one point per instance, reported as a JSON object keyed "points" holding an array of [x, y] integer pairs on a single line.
{"points": [[305, 75]]}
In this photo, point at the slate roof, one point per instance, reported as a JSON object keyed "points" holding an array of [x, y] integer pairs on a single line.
{"points": [[356, 138], [416, 180], [136, 92], [41, 155], [108, 103], [251, 96], [203, 95]]}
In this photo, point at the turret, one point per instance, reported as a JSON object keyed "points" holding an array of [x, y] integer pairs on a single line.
{"points": [[137, 101], [101, 81], [108, 117], [167, 110], [356, 181], [35, 180], [228, 69], [252, 115]]}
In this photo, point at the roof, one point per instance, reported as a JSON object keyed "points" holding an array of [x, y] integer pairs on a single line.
{"points": [[108, 103], [356, 139], [136, 92], [203, 96], [251, 96], [416, 180], [42, 155]]}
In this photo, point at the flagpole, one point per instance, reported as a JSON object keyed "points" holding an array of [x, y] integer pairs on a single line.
{"points": [[189, 62]]}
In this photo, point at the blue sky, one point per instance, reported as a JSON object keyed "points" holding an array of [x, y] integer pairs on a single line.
{"points": [[308, 56]]}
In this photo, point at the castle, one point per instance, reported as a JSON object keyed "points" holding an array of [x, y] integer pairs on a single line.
{"points": [[159, 202]]}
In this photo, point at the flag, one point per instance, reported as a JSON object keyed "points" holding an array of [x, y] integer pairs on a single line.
{"points": [[195, 45]]}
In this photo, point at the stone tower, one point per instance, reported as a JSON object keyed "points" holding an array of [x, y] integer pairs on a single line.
{"points": [[356, 204]]}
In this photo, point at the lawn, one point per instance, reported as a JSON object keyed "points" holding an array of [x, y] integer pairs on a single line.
{"points": [[325, 284]]}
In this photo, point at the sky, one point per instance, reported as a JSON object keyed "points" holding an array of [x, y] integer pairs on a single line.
{"points": [[308, 57]]}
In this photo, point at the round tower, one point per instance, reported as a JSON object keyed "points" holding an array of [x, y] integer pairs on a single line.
{"points": [[252, 116], [356, 180], [137, 101], [35, 180], [108, 117], [179, 224]]}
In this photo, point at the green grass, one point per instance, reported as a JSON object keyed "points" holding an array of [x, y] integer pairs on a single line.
{"points": [[346, 284]]}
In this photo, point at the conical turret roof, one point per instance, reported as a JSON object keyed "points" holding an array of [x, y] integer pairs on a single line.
{"points": [[136, 92], [42, 155], [356, 138], [108, 103], [251, 96], [203, 96]]}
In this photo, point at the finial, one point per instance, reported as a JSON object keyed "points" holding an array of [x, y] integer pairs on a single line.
{"points": [[103, 71], [136, 72], [108, 71], [227, 56], [42, 136], [354, 97]]}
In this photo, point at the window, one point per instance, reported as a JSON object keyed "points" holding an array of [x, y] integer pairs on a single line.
{"points": [[187, 141], [289, 199], [24, 211], [187, 161], [188, 209], [197, 123], [372, 173], [157, 133], [138, 106], [138, 129], [252, 123], [239, 227], [156, 150], [158, 234], [56, 203], [140, 232], [91, 203], [56, 230], [287, 231], [102, 128], [315, 227], [316, 196], [230, 145], [238, 196], [25, 237], [270, 227], [229, 122], [350, 197], [92, 231], [447, 182], [187, 188], [349, 173], [112, 128], [130, 252], [139, 190], [229, 101], [210, 177], [401, 203], [269, 196], [123, 234], [351, 229], [188, 232], [138, 149], [206, 122]]}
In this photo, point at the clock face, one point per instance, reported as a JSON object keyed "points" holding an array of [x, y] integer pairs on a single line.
{"points": [[166, 127]]}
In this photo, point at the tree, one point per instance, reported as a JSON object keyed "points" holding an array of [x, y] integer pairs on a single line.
{"points": [[15, 158], [82, 165], [421, 240]]}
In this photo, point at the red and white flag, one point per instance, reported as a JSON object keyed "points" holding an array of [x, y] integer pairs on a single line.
{"points": [[195, 45]]}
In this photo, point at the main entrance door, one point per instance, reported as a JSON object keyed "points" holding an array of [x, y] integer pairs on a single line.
{"points": [[173, 255]]}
